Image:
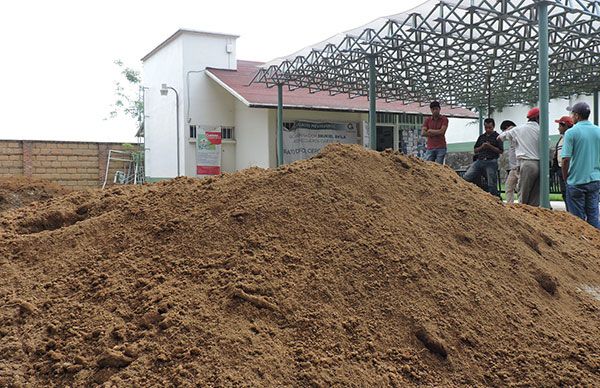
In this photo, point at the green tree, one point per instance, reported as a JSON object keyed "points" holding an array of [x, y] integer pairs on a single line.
{"points": [[129, 94]]}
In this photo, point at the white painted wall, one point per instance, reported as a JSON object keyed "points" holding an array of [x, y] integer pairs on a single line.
{"points": [[228, 156], [206, 103], [557, 109], [467, 130], [462, 130], [181, 64], [165, 66], [210, 106], [252, 137]]}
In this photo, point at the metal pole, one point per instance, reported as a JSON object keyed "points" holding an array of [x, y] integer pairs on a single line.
{"points": [[480, 121], [489, 93], [372, 102], [544, 100], [178, 140], [279, 124], [596, 112], [107, 166]]}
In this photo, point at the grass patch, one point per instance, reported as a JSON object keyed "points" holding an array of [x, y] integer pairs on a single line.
{"points": [[553, 197]]}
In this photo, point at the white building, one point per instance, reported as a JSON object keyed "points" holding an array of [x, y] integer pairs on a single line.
{"points": [[213, 93], [556, 109], [464, 142]]}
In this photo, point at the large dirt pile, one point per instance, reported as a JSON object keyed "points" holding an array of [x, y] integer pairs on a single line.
{"points": [[18, 191], [351, 269]]}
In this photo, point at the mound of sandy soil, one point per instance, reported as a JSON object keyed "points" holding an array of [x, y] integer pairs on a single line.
{"points": [[18, 191], [354, 268]]}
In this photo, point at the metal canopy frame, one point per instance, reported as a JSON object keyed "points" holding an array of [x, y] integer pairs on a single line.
{"points": [[469, 53]]}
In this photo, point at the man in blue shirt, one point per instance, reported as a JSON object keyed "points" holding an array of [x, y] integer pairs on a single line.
{"points": [[581, 165]]}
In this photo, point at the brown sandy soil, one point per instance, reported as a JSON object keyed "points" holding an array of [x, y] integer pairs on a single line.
{"points": [[18, 191], [351, 269]]}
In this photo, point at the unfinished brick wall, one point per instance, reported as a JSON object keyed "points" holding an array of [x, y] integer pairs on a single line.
{"points": [[74, 164]]}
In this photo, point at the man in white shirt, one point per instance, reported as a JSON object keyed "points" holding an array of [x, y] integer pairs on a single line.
{"points": [[526, 138], [513, 165]]}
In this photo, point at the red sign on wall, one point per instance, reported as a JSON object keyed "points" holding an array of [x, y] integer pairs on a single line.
{"points": [[208, 152]]}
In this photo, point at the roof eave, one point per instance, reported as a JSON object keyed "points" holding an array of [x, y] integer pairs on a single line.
{"points": [[227, 87], [349, 110], [179, 32]]}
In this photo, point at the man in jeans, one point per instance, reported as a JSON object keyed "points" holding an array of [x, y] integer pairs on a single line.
{"points": [[526, 138], [581, 165], [434, 128], [487, 150]]}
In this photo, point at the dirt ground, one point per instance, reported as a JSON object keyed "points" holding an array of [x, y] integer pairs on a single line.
{"points": [[18, 191], [354, 268]]}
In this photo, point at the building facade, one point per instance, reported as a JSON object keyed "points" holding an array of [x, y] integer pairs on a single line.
{"points": [[206, 88]]}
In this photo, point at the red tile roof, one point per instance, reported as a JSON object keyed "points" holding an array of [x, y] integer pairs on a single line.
{"points": [[258, 95]]}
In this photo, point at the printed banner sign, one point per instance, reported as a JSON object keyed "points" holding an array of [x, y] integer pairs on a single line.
{"points": [[412, 143], [306, 138], [208, 152], [366, 134]]}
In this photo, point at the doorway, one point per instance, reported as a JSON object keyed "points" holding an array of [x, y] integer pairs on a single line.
{"points": [[385, 137]]}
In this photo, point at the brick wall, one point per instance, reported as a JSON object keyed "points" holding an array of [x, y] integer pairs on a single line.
{"points": [[74, 164]]}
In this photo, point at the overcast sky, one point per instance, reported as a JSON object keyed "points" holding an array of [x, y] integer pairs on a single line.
{"points": [[57, 62]]}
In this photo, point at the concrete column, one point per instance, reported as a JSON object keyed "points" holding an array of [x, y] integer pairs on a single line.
{"points": [[27, 158], [279, 124], [372, 102]]}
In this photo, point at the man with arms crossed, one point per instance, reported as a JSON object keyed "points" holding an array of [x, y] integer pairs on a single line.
{"points": [[581, 165], [434, 128]]}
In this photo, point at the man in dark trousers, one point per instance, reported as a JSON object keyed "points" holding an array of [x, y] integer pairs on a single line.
{"points": [[487, 150]]}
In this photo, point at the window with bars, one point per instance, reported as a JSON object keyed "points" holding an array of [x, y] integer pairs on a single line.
{"points": [[192, 133], [227, 133]]}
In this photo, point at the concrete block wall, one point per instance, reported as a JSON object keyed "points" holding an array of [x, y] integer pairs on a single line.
{"points": [[73, 164], [11, 158]]}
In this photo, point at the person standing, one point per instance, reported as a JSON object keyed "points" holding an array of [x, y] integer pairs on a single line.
{"points": [[513, 166], [581, 165], [564, 123], [526, 138], [487, 150], [434, 128]]}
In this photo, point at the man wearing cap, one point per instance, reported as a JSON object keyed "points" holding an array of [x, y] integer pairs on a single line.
{"points": [[434, 128], [487, 150], [564, 123], [581, 165], [526, 139]]}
